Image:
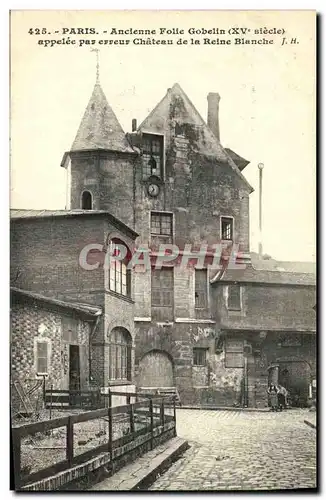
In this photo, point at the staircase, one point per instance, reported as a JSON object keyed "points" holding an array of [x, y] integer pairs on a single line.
{"points": [[163, 391]]}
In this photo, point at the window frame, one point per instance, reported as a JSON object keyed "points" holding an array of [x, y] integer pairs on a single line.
{"points": [[152, 154], [231, 219], [234, 350], [161, 289], [197, 351], [119, 274], [47, 342], [168, 238], [205, 302], [122, 352], [228, 305]]}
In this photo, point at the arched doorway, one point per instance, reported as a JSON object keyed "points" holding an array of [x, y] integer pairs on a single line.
{"points": [[295, 377], [156, 370]]}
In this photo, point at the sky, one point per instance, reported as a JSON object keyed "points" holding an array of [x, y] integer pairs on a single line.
{"points": [[267, 107]]}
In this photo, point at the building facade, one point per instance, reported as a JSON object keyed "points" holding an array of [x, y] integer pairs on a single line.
{"points": [[50, 346], [61, 254], [214, 336]]}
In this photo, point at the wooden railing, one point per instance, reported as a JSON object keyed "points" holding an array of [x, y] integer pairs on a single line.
{"points": [[67, 399], [157, 417]]}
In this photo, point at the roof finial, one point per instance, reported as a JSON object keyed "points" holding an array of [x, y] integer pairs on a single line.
{"points": [[97, 65]]}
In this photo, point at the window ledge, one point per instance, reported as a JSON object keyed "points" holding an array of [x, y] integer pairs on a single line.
{"points": [[119, 296]]}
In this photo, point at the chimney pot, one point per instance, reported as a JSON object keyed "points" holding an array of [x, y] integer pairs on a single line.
{"points": [[134, 125], [213, 99]]}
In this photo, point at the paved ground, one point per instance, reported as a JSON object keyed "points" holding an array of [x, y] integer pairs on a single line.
{"points": [[245, 451]]}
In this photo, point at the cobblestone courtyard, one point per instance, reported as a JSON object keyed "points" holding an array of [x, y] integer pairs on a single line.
{"points": [[243, 450]]}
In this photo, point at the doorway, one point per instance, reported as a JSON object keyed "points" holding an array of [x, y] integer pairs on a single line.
{"points": [[74, 368], [295, 377]]}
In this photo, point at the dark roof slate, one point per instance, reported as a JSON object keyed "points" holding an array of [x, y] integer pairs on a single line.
{"points": [[87, 309], [100, 128]]}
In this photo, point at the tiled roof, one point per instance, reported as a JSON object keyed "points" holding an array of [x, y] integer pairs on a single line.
{"points": [[16, 214], [99, 128], [76, 306], [252, 275]]}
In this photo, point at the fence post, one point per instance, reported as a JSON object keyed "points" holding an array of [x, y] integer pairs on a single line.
{"points": [[16, 444], [110, 426], [70, 441], [50, 416], [152, 421], [162, 412], [44, 390], [174, 417]]}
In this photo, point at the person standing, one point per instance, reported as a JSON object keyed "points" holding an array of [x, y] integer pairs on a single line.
{"points": [[282, 394], [273, 397]]}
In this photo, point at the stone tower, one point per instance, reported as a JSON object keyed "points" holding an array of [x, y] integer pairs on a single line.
{"points": [[100, 163]]}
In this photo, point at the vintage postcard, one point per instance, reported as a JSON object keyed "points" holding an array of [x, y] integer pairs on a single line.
{"points": [[163, 227]]}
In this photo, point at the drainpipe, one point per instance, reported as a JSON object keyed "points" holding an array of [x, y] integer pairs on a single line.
{"points": [[260, 247], [245, 385], [98, 316]]}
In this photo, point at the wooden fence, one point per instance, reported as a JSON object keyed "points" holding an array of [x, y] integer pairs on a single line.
{"points": [[66, 399], [152, 406]]}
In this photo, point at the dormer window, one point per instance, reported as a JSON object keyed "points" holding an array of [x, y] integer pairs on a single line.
{"points": [[152, 157]]}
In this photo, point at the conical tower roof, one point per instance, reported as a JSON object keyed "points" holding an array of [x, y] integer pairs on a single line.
{"points": [[99, 128]]}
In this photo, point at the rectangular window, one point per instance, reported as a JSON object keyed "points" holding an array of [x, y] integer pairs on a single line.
{"points": [[42, 357], [162, 288], [199, 356], [120, 278], [152, 156], [200, 288], [119, 357], [226, 228], [234, 357], [161, 226], [234, 298]]}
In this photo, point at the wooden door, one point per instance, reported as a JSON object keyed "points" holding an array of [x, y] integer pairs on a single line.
{"points": [[74, 368], [156, 370]]}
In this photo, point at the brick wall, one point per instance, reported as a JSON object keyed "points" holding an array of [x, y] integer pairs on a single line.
{"points": [[45, 259], [31, 322], [45, 254], [268, 307]]}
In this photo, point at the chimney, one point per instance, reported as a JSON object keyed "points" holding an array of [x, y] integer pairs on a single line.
{"points": [[134, 125], [213, 99]]}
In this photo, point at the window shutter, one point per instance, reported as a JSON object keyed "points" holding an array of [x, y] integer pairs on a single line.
{"points": [[234, 297], [200, 288]]}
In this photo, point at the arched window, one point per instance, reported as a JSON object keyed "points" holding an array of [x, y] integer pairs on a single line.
{"points": [[119, 275], [87, 202], [120, 355]]}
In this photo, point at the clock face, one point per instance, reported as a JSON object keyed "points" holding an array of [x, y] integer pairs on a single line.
{"points": [[153, 189]]}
